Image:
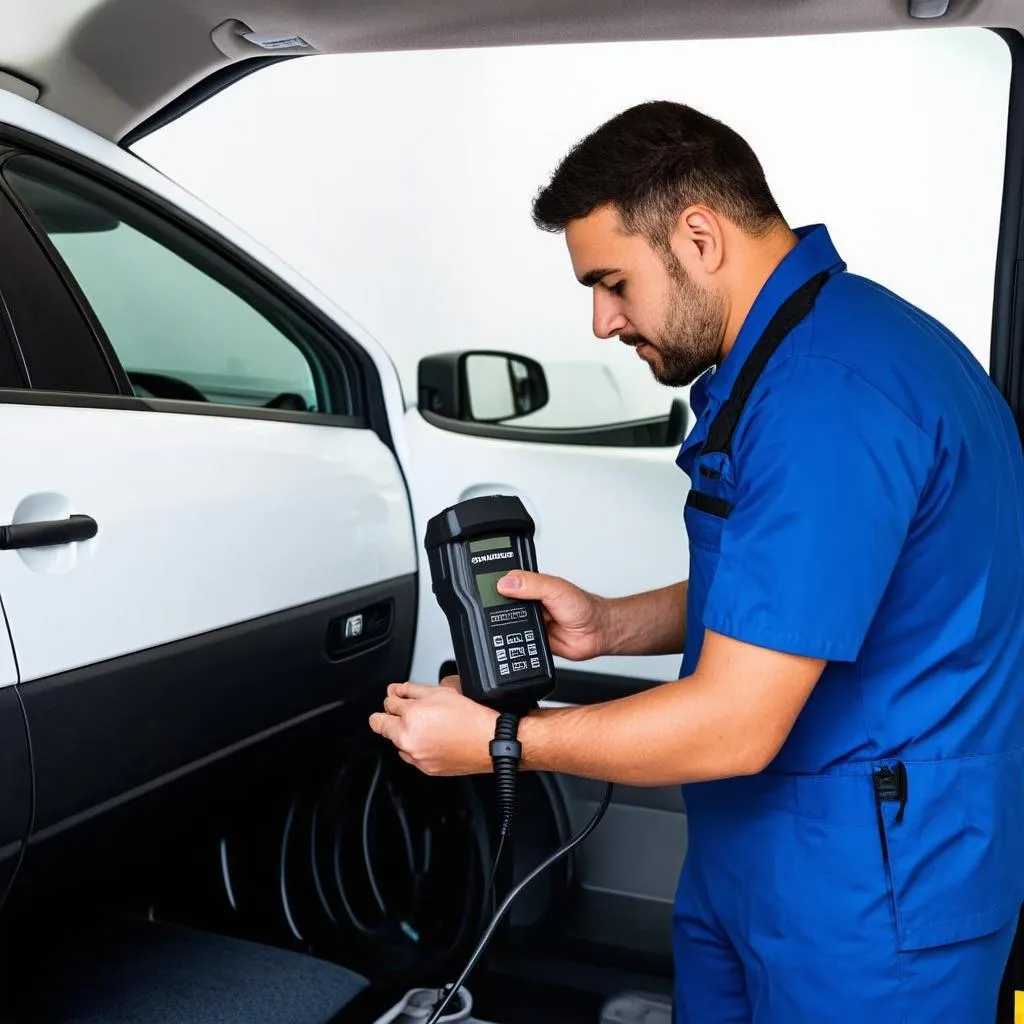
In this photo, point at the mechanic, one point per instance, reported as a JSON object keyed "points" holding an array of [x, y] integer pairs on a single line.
{"points": [[848, 726]]}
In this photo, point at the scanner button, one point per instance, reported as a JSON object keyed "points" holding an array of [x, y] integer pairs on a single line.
{"points": [[503, 669], [502, 654], [517, 652], [535, 663], [515, 638], [528, 635], [531, 649], [518, 666], [499, 641]]}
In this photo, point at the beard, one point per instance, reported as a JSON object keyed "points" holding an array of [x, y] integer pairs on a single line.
{"points": [[689, 341]]}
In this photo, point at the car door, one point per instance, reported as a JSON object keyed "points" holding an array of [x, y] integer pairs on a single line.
{"points": [[246, 559]]}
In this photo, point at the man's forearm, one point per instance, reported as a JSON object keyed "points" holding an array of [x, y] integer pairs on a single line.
{"points": [[674, 733], [650, 623]]}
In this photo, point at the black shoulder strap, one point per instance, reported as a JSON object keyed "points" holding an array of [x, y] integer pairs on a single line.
{"points": [[789, 314]]}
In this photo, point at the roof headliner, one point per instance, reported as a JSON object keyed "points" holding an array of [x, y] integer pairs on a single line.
{"points": [[109, 64]]}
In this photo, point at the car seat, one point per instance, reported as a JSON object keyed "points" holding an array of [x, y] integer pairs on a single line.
{"points": [[140, 971]]}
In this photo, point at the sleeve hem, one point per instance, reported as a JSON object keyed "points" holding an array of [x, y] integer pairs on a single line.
{"points": [[844, 648]]}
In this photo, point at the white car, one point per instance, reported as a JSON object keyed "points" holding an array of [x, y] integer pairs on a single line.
{"points": [[213, 503]]}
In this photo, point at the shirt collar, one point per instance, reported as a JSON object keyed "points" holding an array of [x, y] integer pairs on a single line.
{"points": [[813, 253]]}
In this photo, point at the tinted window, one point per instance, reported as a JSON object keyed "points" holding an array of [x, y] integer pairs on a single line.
{"points": [[184, 322]]}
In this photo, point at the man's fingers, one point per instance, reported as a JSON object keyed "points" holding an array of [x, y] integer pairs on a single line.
{"points": [[395, 705], [409, 691], [452, 683], [534, 586], [385, 725], [528, 585]]}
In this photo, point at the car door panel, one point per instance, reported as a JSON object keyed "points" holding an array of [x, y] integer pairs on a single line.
{"points": [[203, 521], [119, 729], [617, 903], [209, 609]]}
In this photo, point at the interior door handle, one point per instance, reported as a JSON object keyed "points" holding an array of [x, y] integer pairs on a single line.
{"points": [[47, 532]]}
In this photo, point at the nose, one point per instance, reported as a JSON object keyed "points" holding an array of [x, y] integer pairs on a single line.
{"points": [[609, 320]]}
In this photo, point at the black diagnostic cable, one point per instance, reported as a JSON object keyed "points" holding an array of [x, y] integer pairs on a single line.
{"points": [[506, 753]]}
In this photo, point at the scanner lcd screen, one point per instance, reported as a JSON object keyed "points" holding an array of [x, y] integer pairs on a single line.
{"points": [[487, 585]]}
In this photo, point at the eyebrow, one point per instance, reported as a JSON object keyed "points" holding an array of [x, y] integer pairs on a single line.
{"points": [[593, 277]]}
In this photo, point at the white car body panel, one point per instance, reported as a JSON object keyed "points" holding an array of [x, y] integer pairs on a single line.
{"points": [[195, 530]]}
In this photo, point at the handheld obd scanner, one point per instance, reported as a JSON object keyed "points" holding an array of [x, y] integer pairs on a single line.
{"points": [[501, 646]]}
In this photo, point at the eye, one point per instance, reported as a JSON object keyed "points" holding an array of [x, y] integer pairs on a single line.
{"points": [[619, 288]]}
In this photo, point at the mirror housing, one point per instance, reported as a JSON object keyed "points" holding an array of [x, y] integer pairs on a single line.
{"points": [[481, 386], [678, 423]]}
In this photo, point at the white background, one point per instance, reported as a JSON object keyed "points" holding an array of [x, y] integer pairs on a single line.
{"points": [[400, 184]]}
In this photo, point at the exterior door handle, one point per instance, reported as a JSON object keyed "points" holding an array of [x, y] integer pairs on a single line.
{"points": [[48, 532]]}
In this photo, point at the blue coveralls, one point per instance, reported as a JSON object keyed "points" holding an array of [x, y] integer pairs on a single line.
{"points": [[857, 495]]}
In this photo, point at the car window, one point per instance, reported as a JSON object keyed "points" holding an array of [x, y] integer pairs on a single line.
{"points": [[184, 324], [895, 140]]}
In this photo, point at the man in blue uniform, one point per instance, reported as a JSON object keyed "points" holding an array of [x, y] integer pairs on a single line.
{"points": [[848, 728]]}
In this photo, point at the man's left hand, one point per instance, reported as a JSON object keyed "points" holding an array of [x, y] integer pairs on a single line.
{"points": [[436, 729]]}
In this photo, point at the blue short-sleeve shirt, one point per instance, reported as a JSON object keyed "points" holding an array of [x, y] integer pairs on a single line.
{"points": [[875, 495]]}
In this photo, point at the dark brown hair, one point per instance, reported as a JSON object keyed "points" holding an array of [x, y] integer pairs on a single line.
{"points": [[651, 162]]}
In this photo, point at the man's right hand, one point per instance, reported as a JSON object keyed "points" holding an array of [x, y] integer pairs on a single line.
{"points": [[577, 622]]}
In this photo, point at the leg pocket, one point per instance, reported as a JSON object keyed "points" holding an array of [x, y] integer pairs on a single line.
{"points": [[953, 845], [957, 983]]}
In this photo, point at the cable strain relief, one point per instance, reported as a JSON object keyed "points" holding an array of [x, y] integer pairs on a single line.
{"points": [[506, 752]]}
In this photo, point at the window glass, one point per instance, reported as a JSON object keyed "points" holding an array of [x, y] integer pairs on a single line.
{"points": [[414, 207], [183, 323]]}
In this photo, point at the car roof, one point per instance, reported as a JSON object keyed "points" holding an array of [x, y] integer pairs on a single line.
{"points": [[122, 67]]}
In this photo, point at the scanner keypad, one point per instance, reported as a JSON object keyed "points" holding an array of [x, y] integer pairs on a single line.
{"points": [[516, 651]]}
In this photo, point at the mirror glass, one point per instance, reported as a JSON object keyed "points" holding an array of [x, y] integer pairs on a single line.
{"points": [[489, 386], [500, 387]]}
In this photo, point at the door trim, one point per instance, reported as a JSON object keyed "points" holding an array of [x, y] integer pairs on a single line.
{"points": [[108, 733]]}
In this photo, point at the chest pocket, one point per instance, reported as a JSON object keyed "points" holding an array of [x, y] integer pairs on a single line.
{"points": [[706, 511], [705, 516]]}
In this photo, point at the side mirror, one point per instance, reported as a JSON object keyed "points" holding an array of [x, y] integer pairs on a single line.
{"points": [[483, 387]]}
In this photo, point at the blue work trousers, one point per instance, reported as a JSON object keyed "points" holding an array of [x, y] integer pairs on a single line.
{"points": [[785, 914]]}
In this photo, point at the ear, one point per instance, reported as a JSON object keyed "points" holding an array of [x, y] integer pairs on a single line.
{"points": [[698, 241]]}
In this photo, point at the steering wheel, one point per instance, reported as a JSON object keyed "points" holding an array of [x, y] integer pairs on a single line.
{"points": [[159, 385]]}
